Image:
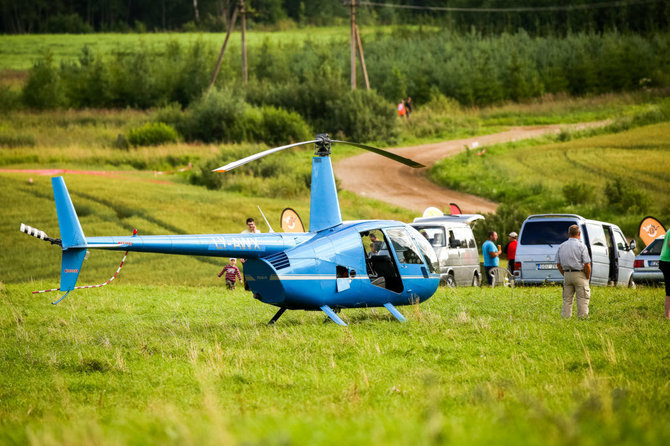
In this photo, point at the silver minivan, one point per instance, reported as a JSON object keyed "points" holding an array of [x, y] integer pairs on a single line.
{"points": [[612, 257], [455, 246]]}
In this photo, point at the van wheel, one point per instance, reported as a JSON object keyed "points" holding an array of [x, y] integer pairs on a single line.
{"points": [[475, 280], [450, 282], [631, 283]]}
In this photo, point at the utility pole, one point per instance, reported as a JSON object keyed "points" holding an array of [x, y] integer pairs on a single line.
{"points": [[243, 10], [223, 49], [360, 54], [353, 44]]}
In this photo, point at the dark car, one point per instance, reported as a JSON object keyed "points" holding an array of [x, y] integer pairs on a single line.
{"points": [[646, 263]]}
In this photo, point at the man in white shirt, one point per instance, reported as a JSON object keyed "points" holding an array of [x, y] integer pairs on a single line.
{"points": [[251, 227], [574, 264]]}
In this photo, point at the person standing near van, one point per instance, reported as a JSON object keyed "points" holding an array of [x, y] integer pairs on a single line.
{"points": [[664, 266], [574, 264], [491, 255], [510, 251]]}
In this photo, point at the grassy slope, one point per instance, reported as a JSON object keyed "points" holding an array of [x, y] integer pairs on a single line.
{"points": [[183, 365], [533, 175]]}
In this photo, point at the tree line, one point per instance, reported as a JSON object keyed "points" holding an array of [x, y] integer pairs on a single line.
{"points": [[550, 17]]}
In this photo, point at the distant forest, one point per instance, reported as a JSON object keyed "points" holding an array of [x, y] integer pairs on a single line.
{"points": [[550, 17]]}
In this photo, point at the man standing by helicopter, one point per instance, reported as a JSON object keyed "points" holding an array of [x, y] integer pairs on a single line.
{"points": [[251, 227]]}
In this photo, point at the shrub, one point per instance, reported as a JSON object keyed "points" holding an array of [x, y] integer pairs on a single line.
{"points": [[281, 127], [67, 23], [577, 193], [10, 99], [43, 88], [151, 134], [364, 116], [623, 197], [212, 118], [20, 140]]}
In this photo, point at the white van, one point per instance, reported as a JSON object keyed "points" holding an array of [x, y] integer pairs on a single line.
{"points": [[612, 258], [455, 246]]}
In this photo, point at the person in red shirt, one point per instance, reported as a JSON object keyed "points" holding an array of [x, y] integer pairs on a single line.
{"points": [[232, 273], [510, 250]]}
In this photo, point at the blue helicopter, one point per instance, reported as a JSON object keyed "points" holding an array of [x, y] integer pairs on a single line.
{"points": [[337, 264]]}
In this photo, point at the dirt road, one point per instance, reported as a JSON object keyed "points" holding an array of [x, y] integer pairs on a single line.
{"points": [[377, 177]]}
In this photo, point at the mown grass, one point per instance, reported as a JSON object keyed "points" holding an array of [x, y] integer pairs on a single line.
{"points": [[197, 365], [18, 52]]}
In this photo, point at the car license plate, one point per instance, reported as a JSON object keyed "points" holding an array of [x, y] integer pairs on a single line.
{"points": [[653, 263], [543, 266]]}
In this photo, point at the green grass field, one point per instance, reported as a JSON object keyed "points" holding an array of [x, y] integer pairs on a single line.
{"points": [[133, 364], [164, 355]]}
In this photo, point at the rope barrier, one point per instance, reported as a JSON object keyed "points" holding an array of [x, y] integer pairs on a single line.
{"points": [[88, 286]]}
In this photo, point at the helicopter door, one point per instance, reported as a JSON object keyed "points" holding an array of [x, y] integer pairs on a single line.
{"points": [[381, 267], [410, 260]]}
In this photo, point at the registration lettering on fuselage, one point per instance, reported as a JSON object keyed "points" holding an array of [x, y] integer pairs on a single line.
{"points": [[236, 243]]}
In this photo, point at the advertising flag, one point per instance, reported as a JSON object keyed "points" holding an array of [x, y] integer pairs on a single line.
{"points": [[290, 221], [650, 229]]}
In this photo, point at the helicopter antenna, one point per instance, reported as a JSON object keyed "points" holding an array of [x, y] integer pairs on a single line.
{"points": [[264, 218]]}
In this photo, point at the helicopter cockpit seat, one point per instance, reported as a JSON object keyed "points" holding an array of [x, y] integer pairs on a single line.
{"points": [[383, 266]]}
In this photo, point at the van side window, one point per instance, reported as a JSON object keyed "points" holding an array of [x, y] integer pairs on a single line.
{"points": [[471, 243], [596, 234], [434, 235], [453, 241], [620, 241], [462, 235]]}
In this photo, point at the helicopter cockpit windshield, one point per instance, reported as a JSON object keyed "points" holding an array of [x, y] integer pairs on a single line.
{"points": [[426, 249]]}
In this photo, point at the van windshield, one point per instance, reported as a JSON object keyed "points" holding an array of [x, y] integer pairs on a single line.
{"points": [[545, 232]]}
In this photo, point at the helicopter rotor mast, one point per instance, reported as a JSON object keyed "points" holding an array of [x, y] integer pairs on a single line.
{"points": [[324, 203]]}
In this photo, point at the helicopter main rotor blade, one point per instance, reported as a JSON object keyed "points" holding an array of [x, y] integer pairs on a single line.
{"points": [[387, 154], [258, 155]]}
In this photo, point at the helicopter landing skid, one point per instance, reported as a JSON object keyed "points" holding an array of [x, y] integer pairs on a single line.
{"points": [[331, 314], [276, 316], [394, 311]]}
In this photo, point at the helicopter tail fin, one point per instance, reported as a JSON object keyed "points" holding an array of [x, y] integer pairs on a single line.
{"points": [[72, 236]]}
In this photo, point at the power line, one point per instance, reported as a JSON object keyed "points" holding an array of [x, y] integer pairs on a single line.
{"points": [[599, 5]]}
